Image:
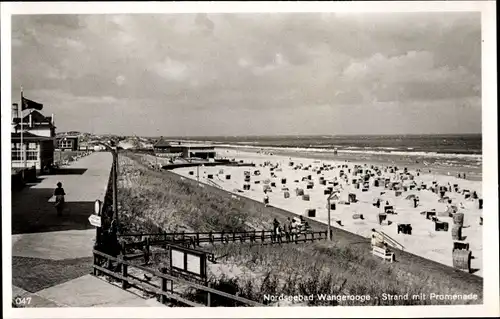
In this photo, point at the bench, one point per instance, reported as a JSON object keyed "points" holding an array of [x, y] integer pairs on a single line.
{"points": [[383, 253]]}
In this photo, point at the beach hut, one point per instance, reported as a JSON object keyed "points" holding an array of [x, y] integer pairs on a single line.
{"points": [[273, 184], [333, 206], [405, 229], [388, 209], [257, 182], [456, 232], [305, 197], [480, 203], [299, 192], [310, 185], [191, 172], [381, 218], [228, 176], [283, 181], [460, 246], [462, 259], [458, 219], [311, 212], [327, 192], [247, 178], [210, 176], [246, 187], [352, 198], [430, 214], [440, 226], [286, 194]]}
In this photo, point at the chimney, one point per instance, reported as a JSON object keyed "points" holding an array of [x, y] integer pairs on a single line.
{"points": [[31, 121], [52, 118]]}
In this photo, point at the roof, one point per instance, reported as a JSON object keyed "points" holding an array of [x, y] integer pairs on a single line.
{"points": [[36, 117], [27, 136], [162, 143]]}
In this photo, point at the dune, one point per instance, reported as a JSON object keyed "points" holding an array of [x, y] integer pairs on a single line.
{"points": [[424, 239]]}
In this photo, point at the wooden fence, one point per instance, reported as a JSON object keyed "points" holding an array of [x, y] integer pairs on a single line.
{"points": [[195, 239], [166, 293]]}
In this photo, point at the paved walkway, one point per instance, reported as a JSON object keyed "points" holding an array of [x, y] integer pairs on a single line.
{"points": [[51, 255]]}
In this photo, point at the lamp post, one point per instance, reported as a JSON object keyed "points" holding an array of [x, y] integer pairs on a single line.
{"points": [[329, 236]]}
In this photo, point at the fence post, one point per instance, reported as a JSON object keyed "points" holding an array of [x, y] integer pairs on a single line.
{"points": [[208, 296], [198, 239], [124, 274], [95, 264], [211, 237], [222, 237], [182, 235], [262, 236], [312, 235], [165, 239], [146, 251], [234, 236], [164, 288]]}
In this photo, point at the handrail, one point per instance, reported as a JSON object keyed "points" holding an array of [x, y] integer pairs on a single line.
{"points": [[167, 277], [194, 233]]}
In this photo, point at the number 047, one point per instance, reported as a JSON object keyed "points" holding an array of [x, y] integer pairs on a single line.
{"points": [[22, 300]]}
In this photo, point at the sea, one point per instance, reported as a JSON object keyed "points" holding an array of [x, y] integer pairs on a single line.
{"points": [[446, 153]]}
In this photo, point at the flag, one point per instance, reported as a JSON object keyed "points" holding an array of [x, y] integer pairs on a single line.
{"points": [[29, 104]]}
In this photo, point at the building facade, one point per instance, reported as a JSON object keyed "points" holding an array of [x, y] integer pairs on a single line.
{"points": [[67, 143], [38, 137], [163, 148]]}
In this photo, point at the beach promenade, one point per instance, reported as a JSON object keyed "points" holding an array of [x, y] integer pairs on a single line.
{"points": [[51, 255]]}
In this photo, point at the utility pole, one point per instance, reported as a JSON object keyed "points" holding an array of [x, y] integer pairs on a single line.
{"points": [[198, 173]]}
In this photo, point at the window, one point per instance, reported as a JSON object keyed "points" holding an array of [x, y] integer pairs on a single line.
{"points": [[65, 143], [32, 146], [16, 155], [32, 155]]}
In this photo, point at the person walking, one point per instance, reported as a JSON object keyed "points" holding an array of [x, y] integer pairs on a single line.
{"points": [[59, 194]]}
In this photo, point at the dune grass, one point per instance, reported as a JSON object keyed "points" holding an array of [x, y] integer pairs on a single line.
{"points": [[151, 200]]}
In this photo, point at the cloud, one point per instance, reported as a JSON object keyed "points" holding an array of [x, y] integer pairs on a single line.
{"points": [[328, 64]]}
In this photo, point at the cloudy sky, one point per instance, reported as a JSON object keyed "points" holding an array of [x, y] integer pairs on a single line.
{"points": [[252, 74]]}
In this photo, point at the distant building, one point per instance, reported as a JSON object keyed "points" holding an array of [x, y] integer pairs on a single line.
{"points": [[67, 143], [187, 151], [38, 140]]}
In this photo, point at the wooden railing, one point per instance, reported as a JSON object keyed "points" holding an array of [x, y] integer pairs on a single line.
{"points": [[101, 260], [195, 239]]}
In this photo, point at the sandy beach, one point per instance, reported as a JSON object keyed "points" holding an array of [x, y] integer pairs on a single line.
{"points": [[286, 173]]}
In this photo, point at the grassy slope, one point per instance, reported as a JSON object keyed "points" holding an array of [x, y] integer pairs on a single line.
{"points": [[345, 266]]}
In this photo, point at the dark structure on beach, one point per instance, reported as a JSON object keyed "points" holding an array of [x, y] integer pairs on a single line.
{"points": [[187, 151]]}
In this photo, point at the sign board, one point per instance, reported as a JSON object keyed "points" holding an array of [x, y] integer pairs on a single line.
{"points": [[188, 261], [95, 220]]}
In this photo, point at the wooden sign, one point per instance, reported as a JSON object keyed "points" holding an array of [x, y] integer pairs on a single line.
{"points": [[95, 220]]}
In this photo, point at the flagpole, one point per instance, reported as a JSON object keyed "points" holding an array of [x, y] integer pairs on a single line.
{"points": [[22, 129]]}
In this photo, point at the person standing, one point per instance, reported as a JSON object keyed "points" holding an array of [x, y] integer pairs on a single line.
{"points": [[288, 228], [59, 194], [276, 225]]}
